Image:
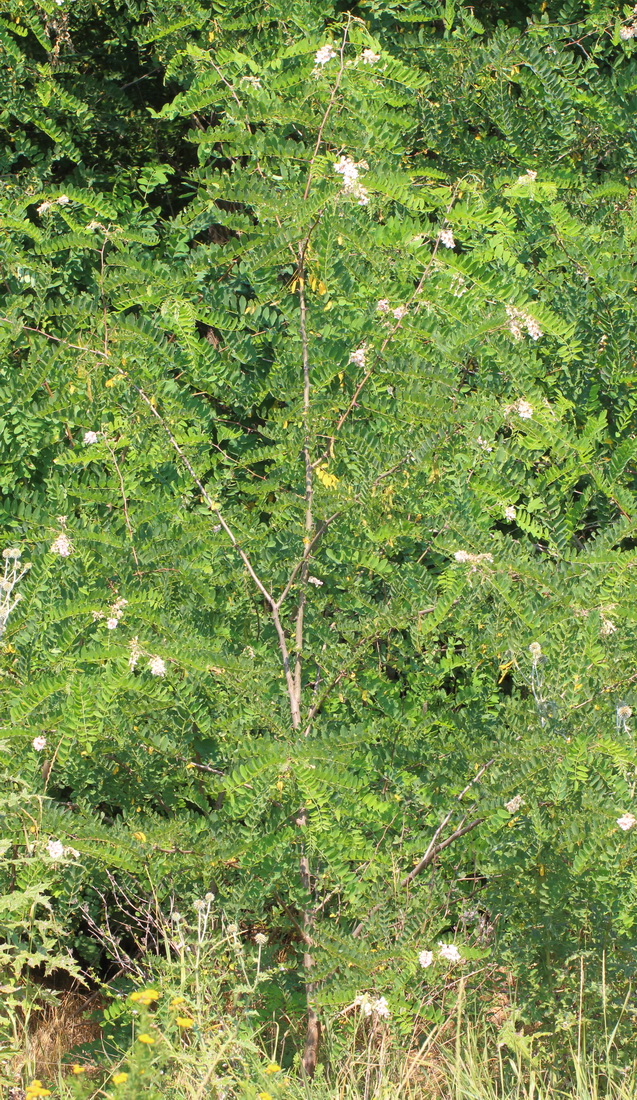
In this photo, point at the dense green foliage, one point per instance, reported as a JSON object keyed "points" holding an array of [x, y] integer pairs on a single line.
{"points": [[352, 337]]}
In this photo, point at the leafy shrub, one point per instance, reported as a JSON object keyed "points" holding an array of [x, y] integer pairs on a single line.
{"points": [[319, 437]]}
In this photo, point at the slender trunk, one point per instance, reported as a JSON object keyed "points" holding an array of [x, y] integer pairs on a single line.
{"points": [[313, 1030]]}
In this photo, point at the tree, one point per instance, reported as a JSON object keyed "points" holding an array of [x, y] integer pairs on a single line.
{"points": [[339, 424]]}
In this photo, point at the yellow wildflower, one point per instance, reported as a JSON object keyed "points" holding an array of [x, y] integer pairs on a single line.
{"points": [[272, 1068], [76, 1068], [119, 1078], [145, 1038], [184, 1021], [144, 997], [264, 1096], [177, 1001]]}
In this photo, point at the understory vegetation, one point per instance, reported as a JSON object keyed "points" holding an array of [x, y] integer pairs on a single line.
{"points": [[318, 490]]}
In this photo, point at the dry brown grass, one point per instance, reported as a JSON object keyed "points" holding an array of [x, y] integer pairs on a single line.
{"points": [[56, 1030]]}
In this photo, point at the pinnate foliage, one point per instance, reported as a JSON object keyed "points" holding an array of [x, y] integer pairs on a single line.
{"points": [[318, 433]]}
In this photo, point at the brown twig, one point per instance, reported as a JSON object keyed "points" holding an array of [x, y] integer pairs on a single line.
{"points": [[434, 849]]}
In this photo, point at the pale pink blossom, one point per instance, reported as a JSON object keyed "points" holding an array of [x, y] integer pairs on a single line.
{"points": [[450, 952], [39, 743], [62, 546], [324, 54]]}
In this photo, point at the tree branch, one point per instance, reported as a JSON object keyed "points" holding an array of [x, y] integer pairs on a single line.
{"points": [[434, 849]]}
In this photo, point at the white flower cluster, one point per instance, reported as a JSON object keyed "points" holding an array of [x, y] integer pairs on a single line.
{"points": [[464, 557], [44, 206], [446, 237], [349, 170], [135, 653], [115, 613], [626, 822], [358, 357], [449, 952], [56, 850], [607, 627], [458, 286], [514, 804], [519, 320], [509, 512], [399, 312], [483, 443], [156, 665], [529, 176], [324, 54], [260, 939], [629, 31], [315, 581], [369, 57], [90, 437], [62, 545], [14, 571], [522, 408], [39, 743], [378, 1007], [535, 649]]}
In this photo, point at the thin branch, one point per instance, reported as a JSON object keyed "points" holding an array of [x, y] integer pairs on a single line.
{"points": [[328, 109], [57, 339], [434, 849], [214, 507], [309, 481], [124, 501], [307, 553]]}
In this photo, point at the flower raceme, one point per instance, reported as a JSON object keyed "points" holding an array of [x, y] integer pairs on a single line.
{"points": [[324, 54], [62, 545], [349, 170], [372, 1006], [449, 952]]}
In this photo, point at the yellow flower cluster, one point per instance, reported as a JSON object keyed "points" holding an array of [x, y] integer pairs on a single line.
{"points": [[35, 1089], [145, 997], [119, 1078]]}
